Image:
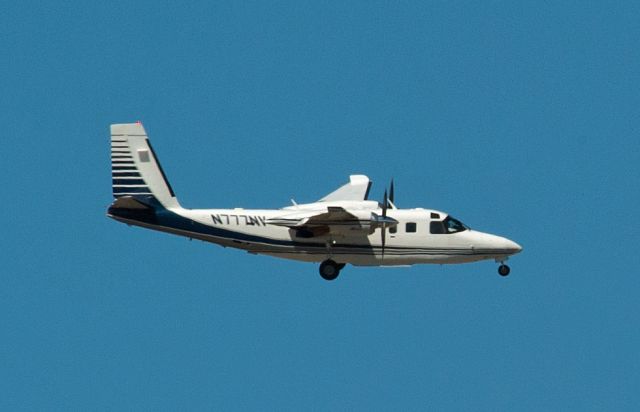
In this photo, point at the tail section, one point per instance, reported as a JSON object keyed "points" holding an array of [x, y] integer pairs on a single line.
{"points": [[135, 169]]}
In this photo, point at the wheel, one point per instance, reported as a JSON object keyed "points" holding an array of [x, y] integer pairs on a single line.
{"points": [[504, 270], [329, 270]]}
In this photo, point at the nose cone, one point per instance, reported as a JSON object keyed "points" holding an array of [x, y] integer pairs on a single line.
{"points": [[493, 245], [512, 247]]}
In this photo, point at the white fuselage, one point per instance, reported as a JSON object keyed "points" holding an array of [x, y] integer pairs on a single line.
{"points": [[410, 243]]}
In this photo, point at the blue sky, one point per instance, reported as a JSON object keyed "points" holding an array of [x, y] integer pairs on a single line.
{"points": [[520, 119]]}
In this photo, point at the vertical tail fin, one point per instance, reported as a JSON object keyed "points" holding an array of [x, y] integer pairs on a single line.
{"points": [[135, 169]]}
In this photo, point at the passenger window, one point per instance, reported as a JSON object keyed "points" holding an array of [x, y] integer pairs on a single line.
{"points": [[393, 229], [410, 227], [436, 228]]}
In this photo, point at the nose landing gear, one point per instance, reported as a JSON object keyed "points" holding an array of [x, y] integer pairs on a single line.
{"points": [[504, 270]]}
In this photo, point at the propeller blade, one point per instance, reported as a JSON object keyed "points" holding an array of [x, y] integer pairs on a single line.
{"points": [[383, 232], [391, 193], [385, 204]]}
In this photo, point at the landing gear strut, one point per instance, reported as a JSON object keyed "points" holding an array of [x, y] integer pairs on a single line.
{"points": [[329, 270], [504, 270]]}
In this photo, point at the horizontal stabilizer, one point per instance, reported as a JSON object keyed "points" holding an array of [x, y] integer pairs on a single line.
{"points": [[134, 208], [129, 202]]}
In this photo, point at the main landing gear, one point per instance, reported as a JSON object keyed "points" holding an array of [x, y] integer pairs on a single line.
{"points": [[329, 270], [504, 270]]}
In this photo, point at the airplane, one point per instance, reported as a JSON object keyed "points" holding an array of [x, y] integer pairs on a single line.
{"points": [[344, 227]]}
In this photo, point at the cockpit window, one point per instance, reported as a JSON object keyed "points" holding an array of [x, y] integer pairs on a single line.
{"points": [[447, 226], [436, 228], [453, 225]]}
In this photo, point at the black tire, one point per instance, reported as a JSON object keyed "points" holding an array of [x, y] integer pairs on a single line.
{"points": [[504, 270], [329, 270]]}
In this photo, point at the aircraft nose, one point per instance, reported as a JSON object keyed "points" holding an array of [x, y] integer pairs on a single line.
{"points": [[513, 247]]}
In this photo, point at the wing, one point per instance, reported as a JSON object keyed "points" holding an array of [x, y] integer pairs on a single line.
{"points": [[316, 223], [335, 220], [357, 189], [316, 219]]}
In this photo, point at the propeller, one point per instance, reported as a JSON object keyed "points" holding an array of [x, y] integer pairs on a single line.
{"points": [[383, 221], [387, 203], [383, 233]]}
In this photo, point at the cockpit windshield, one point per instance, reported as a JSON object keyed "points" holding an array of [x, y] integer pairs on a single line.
{"points": [[453, 225], [446, 226]]}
